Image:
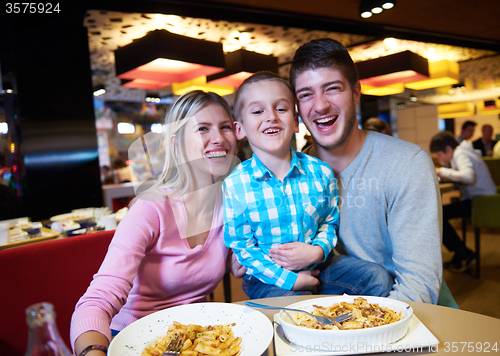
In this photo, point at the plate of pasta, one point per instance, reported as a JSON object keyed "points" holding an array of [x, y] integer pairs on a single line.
{"points": [[375, 321], [206, 328]]}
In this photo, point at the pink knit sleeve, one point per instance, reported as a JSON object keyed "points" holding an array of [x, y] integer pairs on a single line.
{"points": [[109, 289]]}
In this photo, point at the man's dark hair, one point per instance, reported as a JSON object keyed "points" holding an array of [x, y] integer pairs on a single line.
{"points": [[467, 124], [441, 140], [323, 53]]}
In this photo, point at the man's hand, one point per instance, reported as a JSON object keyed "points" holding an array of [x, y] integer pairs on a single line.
{"points": [[306, 280], [294, 256], [234, 266]]}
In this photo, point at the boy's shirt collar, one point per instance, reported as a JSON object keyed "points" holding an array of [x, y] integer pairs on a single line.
{"points": [[260, 171]]}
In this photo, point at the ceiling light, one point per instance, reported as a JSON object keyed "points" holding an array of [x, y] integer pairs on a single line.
{"points": [[450, 111], [457, 89], [245, 38], [125, 128], [402, 67], [4, 128], [157, 128], [488, 107], [200, 83], [153, 99], [161, 58], [392, 89], [441, 73], [390, 42], [240, 65], [99, 90], [388, 5], [143, 84], [369, 7]]}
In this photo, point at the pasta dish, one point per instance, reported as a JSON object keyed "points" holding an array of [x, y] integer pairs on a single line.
{"points": [[198, 340], [364, 315]]}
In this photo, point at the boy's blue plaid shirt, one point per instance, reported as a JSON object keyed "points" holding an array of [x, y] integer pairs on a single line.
{"points": [[261, 212]]}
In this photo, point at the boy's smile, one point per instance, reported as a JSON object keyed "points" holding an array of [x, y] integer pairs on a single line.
{"points": [[268, 118]]}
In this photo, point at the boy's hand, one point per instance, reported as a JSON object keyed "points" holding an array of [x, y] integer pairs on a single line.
{"points": [[306, 280], [294, 256], [235, 267]]}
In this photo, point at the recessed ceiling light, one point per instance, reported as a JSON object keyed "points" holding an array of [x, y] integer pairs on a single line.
{"points": [[377, 10], [388, 5], [366, 14]]}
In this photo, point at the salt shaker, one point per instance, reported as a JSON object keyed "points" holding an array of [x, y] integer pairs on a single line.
{"points": [[44, 338]]}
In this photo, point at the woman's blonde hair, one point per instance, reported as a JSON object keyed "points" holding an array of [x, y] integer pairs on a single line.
{"points": [[175, 175]]}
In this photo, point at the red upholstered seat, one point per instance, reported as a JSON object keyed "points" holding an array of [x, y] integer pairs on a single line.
{"points": [[57, 271]]}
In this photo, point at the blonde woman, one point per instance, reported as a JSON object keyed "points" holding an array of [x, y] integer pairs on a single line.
{"points": [[169, 248]]}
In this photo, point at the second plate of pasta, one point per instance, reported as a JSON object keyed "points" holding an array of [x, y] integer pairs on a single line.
{"points": [[254, 328], [364, 330]]}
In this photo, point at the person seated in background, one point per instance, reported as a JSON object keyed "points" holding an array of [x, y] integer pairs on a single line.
{"points": [[107, 176], [122, 173], [469, 170], [168, 250], [467, 131], [378, 125], [485, 143], [280, 206]]}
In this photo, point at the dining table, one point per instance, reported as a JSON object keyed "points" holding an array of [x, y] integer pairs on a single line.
{"points": [[455, 331], [45, 235]]}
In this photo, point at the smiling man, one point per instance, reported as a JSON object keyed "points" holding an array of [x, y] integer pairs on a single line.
{"points": [[389, 201]]}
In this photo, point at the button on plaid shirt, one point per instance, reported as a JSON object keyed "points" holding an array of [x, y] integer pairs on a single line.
{"points": [[261, 212]]}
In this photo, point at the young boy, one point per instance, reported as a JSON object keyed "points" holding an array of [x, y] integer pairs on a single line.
{"points": [[468, 169], [280, 206]]}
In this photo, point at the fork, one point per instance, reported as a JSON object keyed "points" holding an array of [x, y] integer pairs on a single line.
{"points": [[174, 347], [321, 319]]}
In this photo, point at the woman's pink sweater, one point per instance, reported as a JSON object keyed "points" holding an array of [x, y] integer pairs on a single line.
{"points": [[150, 267]]}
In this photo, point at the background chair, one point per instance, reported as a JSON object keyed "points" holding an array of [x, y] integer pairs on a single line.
{"points": [[57, 271], [494, 167], [446, 298], [485, 214]]}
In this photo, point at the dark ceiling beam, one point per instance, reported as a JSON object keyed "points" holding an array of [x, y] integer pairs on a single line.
{"points": [[228, 12]]}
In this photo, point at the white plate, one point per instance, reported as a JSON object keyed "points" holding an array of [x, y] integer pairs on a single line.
{"points": [[79, 216], [252, 326], [370, 336], [418, 339]]}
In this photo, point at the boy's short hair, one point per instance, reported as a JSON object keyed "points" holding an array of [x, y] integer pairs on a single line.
{"points": [[323, 53], [441, 140], [257, 77]]}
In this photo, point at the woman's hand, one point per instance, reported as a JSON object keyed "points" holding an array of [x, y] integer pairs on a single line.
{"points": [[235, 267]]}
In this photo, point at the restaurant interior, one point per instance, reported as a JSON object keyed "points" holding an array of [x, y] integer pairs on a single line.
{"points": [[75, 103]]}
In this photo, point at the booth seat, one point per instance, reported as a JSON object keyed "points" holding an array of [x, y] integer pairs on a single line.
{"points": [[57, 271]]}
